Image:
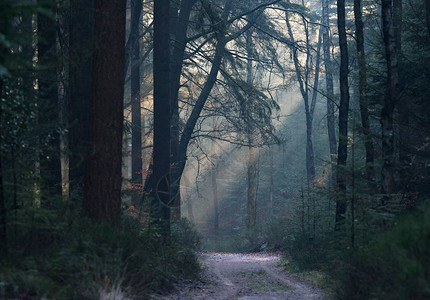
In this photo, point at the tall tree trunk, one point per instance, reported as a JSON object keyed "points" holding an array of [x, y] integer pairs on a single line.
{"points": [[362, 86], [215, 198], [102, 190], [214, 181], [48, 110], [330, 92], [343, 116], [312, 108], [251, 155], [271, 170], [390, 99], [403, 108], [180, 26], [80, 70], [222, 40], [427, 5], [3, 219], [310, 158], [162, 114], [181, 156], [397, 24], [251, 188], [310, 161], [136, 113]]}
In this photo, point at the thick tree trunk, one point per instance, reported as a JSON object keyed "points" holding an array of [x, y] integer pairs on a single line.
{"points": [[362, 86], [48, 110], [3, 214], [136, 113], [102, 190], [80, 70], [330, 92], [390, 99], [343, 116], [180, 26], [162, 114], [28, 55], [427, 5], [179, 43], [397, 24]]}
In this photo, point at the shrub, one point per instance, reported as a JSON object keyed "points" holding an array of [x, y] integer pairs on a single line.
{"points": [[394, 265], [84, 259]]}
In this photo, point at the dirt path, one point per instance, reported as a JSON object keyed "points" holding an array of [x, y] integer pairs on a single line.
{"points": [[232, 276]]}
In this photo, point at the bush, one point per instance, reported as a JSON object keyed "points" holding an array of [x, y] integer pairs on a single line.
{"points": [[84, 259], [395, 265]]}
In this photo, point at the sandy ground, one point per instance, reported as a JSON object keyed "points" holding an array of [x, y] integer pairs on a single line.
{"points": [[234, 276]]}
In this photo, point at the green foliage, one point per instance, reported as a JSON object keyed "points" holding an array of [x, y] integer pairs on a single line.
{"points": [[221, 243], [81, 259], [271, 236], [391, 264], [268, 288], [300, 254], [394, 265], [185, 234]]}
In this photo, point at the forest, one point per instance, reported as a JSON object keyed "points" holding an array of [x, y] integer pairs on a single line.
{"points": [[215, 149]]}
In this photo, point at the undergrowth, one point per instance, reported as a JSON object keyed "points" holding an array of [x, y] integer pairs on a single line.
{"points": [[53, 257], [392, 263]]}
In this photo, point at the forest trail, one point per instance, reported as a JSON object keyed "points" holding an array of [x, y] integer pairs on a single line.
{"points": [[234, 276]]}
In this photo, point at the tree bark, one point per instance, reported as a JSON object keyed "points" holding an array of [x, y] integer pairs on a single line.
{"points": [[3, 214], [215, 198], [102, 190], [362, 86], [343, 116], [390, 99], [312, 109], [48, 111], [271, 170], [179, 43], [427, 5], [310, 161], [251, 155], [214, 181], [330, 92], [162, 114], [136, 113], [80, 72], [397, 24], [251, 188]]}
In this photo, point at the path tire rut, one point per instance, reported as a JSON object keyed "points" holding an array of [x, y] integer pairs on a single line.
{"points": [[234, 276]]}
